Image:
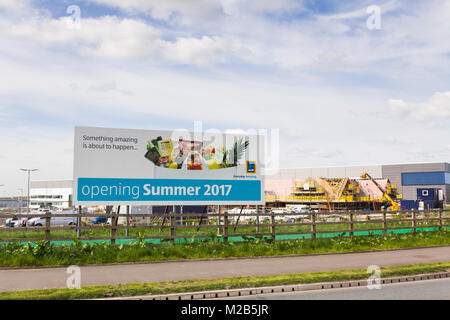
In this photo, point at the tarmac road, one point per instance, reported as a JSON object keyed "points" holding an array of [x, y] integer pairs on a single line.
{"points": [[438, 289], [44, 278]]}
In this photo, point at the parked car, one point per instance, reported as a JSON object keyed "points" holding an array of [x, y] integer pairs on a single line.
{"points": [[334, 218], [289, 219], [99, 220], [19, 221], [300, 209], [55, 220], [16, 222]]}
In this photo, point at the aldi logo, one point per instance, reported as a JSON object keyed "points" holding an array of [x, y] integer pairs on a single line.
{"points": [[251, 166]]}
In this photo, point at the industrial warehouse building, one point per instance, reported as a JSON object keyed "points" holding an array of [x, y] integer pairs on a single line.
{"points": [[416, 184], [53, 193]]}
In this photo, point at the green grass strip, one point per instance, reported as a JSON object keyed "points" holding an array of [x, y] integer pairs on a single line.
{"points": [[42, 254], [135, 289]]}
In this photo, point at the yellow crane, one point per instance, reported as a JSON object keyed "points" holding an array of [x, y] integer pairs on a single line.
{"points": [[394, 205]]}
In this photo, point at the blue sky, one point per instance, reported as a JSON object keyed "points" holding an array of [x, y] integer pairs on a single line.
{"points": [[339, 93]]}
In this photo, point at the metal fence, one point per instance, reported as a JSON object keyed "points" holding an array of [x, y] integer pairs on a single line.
{"points": [[266, 223]]}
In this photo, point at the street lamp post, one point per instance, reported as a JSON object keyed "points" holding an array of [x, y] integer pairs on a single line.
{"points": [[1, 185], [28, 199], [19, 202]]}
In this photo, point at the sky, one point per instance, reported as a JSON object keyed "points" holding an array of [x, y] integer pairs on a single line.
{"points": [[339, 88]]}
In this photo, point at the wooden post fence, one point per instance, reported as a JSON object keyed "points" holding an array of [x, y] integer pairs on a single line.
{"points": [[172, 230], [218, 219], [413, 222], [351, 224], [79, 222], [114, 226], [257, 219], [313, 225], [225, 226], [127, 231], [272, 225], [47, 226], [440, 220]]}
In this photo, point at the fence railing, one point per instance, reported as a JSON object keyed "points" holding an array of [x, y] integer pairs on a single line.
{"points": [[176, 227]]}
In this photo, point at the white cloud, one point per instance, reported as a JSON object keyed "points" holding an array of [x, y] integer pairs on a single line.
{"points": [[119, 39], [14, 5], [247, 36], [295, 133], [437, 108], [255, 72], [201, 52], [196, 12], [390, 139], [106, 37], [106, 87], [174, 11], [361, 12], [37, 147]]}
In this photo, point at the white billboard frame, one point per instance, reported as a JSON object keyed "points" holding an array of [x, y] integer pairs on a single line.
{"points": [[121, 167]]}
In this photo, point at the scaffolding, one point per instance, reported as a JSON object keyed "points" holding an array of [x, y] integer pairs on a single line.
{"points": [[337, 194]]}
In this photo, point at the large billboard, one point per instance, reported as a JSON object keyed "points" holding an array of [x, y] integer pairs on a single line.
{"points": [[125, 166]]}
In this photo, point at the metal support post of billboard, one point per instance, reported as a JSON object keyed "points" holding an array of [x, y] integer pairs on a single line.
{"points": [[47, 226], [79, 222], [257, 218], [114, 219], [272, 226], [313, 224], [172, 229], [181, 216], [238, 218], [127, 230], [351, 220], [174, 209], [225, 226], [163, 219], [200, 223], [218, 220]]}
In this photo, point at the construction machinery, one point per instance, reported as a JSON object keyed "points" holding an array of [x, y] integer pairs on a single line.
{"points": [[395, 206], [333, 194]]}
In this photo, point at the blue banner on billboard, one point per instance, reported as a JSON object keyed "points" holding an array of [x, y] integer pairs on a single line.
{"points": [[111, 189]]}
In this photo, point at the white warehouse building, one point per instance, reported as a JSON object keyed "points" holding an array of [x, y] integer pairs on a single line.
{"points": [[56, 193]]}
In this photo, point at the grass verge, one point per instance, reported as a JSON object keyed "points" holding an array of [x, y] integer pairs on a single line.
{"points": [[135, 289], [44, 254]]}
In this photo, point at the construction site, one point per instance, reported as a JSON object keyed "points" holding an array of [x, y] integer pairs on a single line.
{"points": [[364, 193], [406, 186]]}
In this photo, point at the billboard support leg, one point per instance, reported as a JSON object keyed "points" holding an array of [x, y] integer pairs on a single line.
{"points": [[181, 215], [127, 231], [163, 219], [239, 217], [172, 225], [79, 223], [225, 226], [219, 220], [200, 222], [257, 218], [114, 225]]}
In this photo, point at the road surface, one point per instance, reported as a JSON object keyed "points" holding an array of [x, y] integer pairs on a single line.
{"points": [[420, 290], [44, 278]]}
